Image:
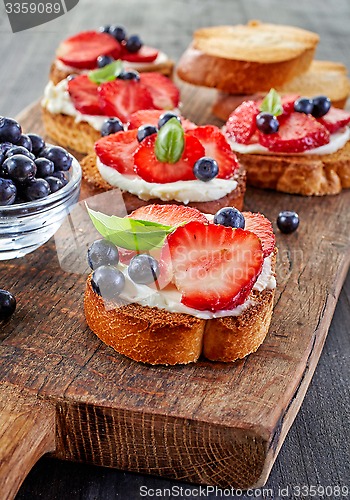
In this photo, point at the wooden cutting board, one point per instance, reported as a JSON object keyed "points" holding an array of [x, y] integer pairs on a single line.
{"points": [[65, 392]]}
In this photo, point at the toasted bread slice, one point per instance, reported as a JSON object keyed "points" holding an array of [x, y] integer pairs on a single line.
{"points": [[93, 177], [247, 58]]}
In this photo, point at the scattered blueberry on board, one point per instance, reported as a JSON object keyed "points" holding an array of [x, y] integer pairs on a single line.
{"points": [[7, 305], [287, 221], [29, 169]]}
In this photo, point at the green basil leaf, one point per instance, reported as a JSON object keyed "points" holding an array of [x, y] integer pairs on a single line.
{"points": [[170, 142], [106, 74], [272, 103]]}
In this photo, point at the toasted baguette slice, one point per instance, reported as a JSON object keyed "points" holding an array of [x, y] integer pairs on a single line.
{"points": [[247, 59], [93, 177], [156, 336], [322, 78]]}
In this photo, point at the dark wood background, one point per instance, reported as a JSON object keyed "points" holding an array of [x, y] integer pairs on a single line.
{"points": [[316, 449]]}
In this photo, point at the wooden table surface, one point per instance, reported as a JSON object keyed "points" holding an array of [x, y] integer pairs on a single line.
{"points": [[316, 450]]}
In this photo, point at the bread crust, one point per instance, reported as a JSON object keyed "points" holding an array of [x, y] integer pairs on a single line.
{"points": [[234, 199]]}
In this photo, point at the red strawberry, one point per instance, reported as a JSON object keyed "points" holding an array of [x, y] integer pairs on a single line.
{"points": [[217, 147], [241, 124], [83, 49], [288, 103], [215, 267], [297, 133], [164, 92], [335, 119], [170, 215], [262, 227], [116, 151], [151, 117], [151, 169], [83, 93], [122, 97], [144, 55]]}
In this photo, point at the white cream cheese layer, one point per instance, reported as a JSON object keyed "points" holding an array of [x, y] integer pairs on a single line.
{"points": [[182, 191]]}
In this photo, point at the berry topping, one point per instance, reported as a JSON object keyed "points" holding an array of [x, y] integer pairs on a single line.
{"points": [[304, 105], [215, 267], [118, 32], [267, 123], [10, 130], [105, 28], [165, 117], [321, 106], [143, 269], [44, 167], [205, 169], [133, 44], [19, 168], [287, 102], [132, 74], [170, 215], [36, 189], [287, 222], [59, 156], [229, 217], [217, 147], [108, 282], [25, 142], [145, 131], [8, 192], [102, 253], [38, 143], [54, 183], [111, 126], [152, 117], [262, 227], [164, 92], [241, 124], [117, 151], [84, 95], [102, 61], [7, 305], [298, 132], [83, 49], [144, 55], [335, 119]]}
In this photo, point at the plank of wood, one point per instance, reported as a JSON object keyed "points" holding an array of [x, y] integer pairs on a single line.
{"points": [[210, 423]]}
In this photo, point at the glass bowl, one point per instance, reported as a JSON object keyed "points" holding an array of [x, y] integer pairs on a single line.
{"points": [[26, 226]]}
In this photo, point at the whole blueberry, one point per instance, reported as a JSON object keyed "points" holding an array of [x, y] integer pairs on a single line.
{"points": [[206, 168], [61, 176], [71, 77], [36, 189], [54, 183], [19, 150], [133, 44], [165, 117], [19, 168], [111, 126], [8, 192], [7, 304], [5, 146], [144, 131], [321, 106], [267, 123], [229, 217], [143, 269], [304, 105], [38, 143], [108, 282], [287, 221], [102, 253], [10, 130], [59, 156], [102, 61], [129, 75], [118, 32], [25, 141], [2, 158], [104, 29], [44, 167]]}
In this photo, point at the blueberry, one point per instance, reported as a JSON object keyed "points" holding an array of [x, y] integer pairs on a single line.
{"points": [[8, 192], [2, 158], [267, 123], [54, 183], [104, 29], [7, 304], [19, 150], [321, 106], [10, 130], [102, 253], [36, 189], [71, 77], [206, 169], [143, 269], [59, 156], [19, 168], [118, 32], [287, 221], [144, 131], [108, 282], [5, 146], [133, 43], [111, 126], [304, 105], [129, 75], [230, 217], [61, 176], [44, 167], [38, 143], [102, 61], [165, 117]]}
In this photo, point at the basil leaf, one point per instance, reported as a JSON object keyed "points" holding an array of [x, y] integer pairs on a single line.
{"points": [[107, 73], [130, 233], [272, 103], [170, 142]]}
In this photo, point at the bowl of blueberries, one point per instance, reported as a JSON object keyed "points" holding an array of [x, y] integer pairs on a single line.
{"points": [[38, 185]]}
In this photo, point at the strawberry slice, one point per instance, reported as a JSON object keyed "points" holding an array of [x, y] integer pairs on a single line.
{"points": [[117, 150], [164, 93], [215, 267], [241, 124], [262, 227], [122, 97], [83, 49], [83, 92], [170, 215], [151, 169], [288, 103], [151, 117], [144, 55], [217, 147], [335, 119], [297, 133]]}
